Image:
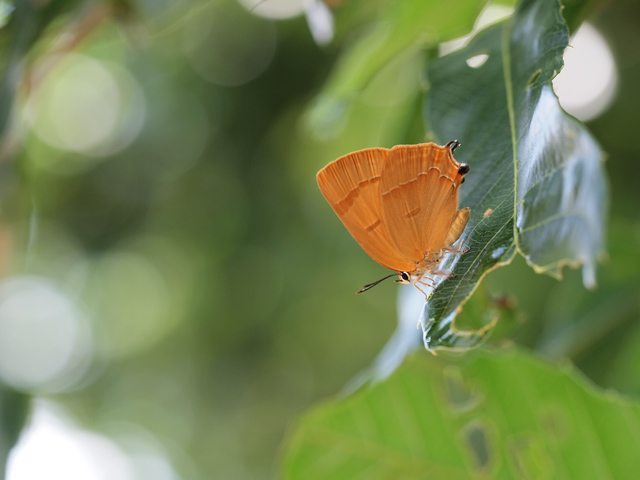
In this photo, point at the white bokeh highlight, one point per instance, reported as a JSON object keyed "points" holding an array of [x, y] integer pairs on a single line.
{"points": [[45, 339], [320, 21], [53, 447], [274, 9], [587, 84], [85, 105], [489, 15]]}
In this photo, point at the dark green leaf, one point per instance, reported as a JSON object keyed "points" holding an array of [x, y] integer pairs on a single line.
{"points": [[24, 24], [499, 415], [14, 407], [536, 170], [576, 11]]}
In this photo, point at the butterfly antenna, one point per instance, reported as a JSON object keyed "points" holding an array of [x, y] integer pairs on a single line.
{"points": [[371, 285]]}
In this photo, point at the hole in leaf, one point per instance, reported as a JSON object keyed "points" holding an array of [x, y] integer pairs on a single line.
{"points": [[529, 458], [460, 396], [476, 438], [477, 60], [534, 78]]}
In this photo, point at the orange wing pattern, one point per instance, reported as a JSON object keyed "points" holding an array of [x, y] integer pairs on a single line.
{"points": [[351, 186], [419, 197]]}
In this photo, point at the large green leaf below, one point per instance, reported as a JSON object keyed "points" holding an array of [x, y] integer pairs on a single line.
{"points": [[536, 184], [498, 415]]}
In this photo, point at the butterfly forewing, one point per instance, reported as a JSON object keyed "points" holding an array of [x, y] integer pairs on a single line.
{"points": [[351, 185], [419, 197]]}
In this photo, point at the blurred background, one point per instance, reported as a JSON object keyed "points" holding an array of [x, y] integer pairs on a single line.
{"points": [[174, 289]]}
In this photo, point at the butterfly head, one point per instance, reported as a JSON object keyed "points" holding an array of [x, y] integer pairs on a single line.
{"points": [[404, 277]]}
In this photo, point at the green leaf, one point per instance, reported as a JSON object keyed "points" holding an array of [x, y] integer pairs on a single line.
{"points": [[14, 408], [537, 171], [21, 27], [403, 24], [499, 415]]}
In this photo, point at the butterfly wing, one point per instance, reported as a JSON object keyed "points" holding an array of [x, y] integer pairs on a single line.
{"points": [[351, 186], [419, 197]]}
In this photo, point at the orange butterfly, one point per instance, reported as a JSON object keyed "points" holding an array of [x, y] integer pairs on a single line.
{"points": [[401, 206]]}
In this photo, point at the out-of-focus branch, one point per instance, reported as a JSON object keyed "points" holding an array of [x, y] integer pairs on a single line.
{"points": [[89, 20]]}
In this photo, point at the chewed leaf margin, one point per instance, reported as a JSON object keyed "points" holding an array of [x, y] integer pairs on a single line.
{"points": [[490, 414], [520, 146]]}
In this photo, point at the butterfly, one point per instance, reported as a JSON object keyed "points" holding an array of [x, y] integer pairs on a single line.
{"points": [[401, 206]]}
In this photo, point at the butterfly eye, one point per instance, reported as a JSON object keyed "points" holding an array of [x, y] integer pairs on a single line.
{"points": [[404, 277]]}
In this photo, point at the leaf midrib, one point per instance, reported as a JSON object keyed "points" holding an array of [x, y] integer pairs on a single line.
{"points": [[508, 81]]}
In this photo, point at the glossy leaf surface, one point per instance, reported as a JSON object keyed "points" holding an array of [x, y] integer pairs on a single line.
{"points": [[536, 184]]}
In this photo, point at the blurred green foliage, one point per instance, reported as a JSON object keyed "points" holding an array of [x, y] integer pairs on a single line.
{"points": [[216, 284], [484, 415]]}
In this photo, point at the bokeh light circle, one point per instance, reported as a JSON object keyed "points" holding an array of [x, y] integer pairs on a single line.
{"points": [[52, 447], [45, 341], [131, 302], [179, 148], [229, 48], [587, 84], [85, 105]]}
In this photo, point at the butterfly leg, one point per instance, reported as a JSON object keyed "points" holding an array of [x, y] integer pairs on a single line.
{"points": [[430, 285], [442, 272], [415, 284], [456, 250]]}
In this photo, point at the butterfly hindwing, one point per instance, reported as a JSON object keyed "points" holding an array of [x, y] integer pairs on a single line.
{"points": [[419, 197]]}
